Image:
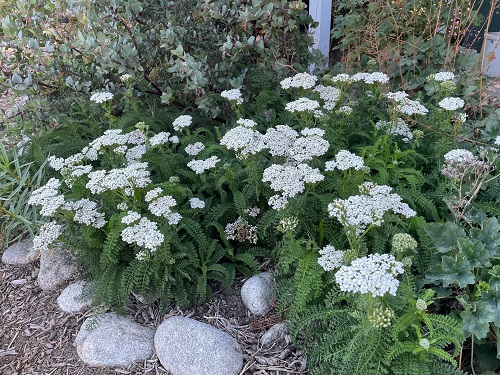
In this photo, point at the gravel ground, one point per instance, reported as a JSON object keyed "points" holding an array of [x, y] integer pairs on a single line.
{"points": [[36, 338]]}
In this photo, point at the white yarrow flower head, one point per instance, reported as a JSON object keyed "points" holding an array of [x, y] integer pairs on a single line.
{"points": [[194, 148], [125, 78], [247, 123], [244, 140], [376, 77], [153, 194], [342, 78], [47, 235], [497, 140], [361, 76], [48, 197], [345, 160], [290, 180], [241, 231], [330, 258], [302, 105], [451, 103], [405, 105], [101, 97], [344, 110], [288, 224], [162, 207], [374, 274], [398, 127], [159, 139], [86, 212], [56, 163], [278, 202], [441, 77], [200, 166], [233, 95], [144, 234], [252, 211], [181, 122], [196, 203], [300, 80]]}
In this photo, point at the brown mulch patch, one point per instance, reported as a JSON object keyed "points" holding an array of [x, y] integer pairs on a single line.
{"points": [[36, 338]]}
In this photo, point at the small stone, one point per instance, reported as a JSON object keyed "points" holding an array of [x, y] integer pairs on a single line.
{"points": [[20, 253], [186, 346], [115, 341], [71, 301], [19, 282], [56, 267], [277, 334], [257, 293]]}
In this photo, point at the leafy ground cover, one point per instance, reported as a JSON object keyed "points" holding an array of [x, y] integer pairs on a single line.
{"points": [[375, 192]]}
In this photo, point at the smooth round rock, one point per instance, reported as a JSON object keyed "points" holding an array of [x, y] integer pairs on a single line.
{"points": [[276, 335], [71, 301], [257, 293], [115, 341], [186, 346], [20, 253]]}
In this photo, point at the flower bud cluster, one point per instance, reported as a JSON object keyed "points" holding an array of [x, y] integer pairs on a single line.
{"points": [[381, 317], [402, 242], [241, 231], [421, 305]]}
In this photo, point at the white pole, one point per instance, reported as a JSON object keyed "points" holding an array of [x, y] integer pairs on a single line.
{"points": [[321, 12]]}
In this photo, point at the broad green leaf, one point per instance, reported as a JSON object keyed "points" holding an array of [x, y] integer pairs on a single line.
{"points": [[489, 234], [475, 252], [477, 318], [494, 282], [444, 236], [452, 270], [492, 298]]}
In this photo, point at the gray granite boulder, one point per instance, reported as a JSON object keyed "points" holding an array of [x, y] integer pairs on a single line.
{"points": [[20, 253], [186, 346], [276, 335], [115, 341], [257, 293], [71, 299], [56, 267]]}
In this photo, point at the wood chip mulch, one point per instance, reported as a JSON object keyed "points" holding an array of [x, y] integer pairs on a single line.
{"points": [[36, 338]]}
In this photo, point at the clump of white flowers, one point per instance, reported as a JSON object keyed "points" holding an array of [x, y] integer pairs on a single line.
{"points": [[85, 212], [233, 95], [194, 148], [451, 103], [126, 78], [342, 77], [402, 242], [287, 224], [241, 231], [376, 77], [381, 317], [252, 211], [243, 139], [344, 110], [48, 197], [374, 274], [196, 203], [101, 97], [405, 105], [329, 94], [441, 77], [302, 105], [47, 235], [159, 139], [330, 258], [398, 127], [300, 80], [345, 160], [141, 231], [182, 122], [200, 166], [460, 162], [497, 140], [358, 212]]}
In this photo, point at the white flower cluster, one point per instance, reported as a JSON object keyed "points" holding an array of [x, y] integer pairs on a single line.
{"points": [[125, 78], [241, 231], [403, 241], [345, 160], [329, 94], [399, 127], [143, 233], [277, 202], [244, 140], [497, 140], [181, 122], [86, 213], [405, 105], [342, 77], [302, 105], [232, 95], [421, 305], [361, 76], [128, 177], [48, 233], [48, 197], [441, 77], [451, 103], [359, 211], [161, 205], [425, 344], [284, 141], [460, 162], [194, 148], [159, 139], [247, 123], [344, 110], [290, 180], [56, 163], [101, 97], [288, 224], [374, 274], [300, 80], [252, 211], [196, 203], [200, 166], [376, 77], [330, 258]]}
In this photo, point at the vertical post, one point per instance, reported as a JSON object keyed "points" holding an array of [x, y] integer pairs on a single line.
{"points": [[321, 12]]}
